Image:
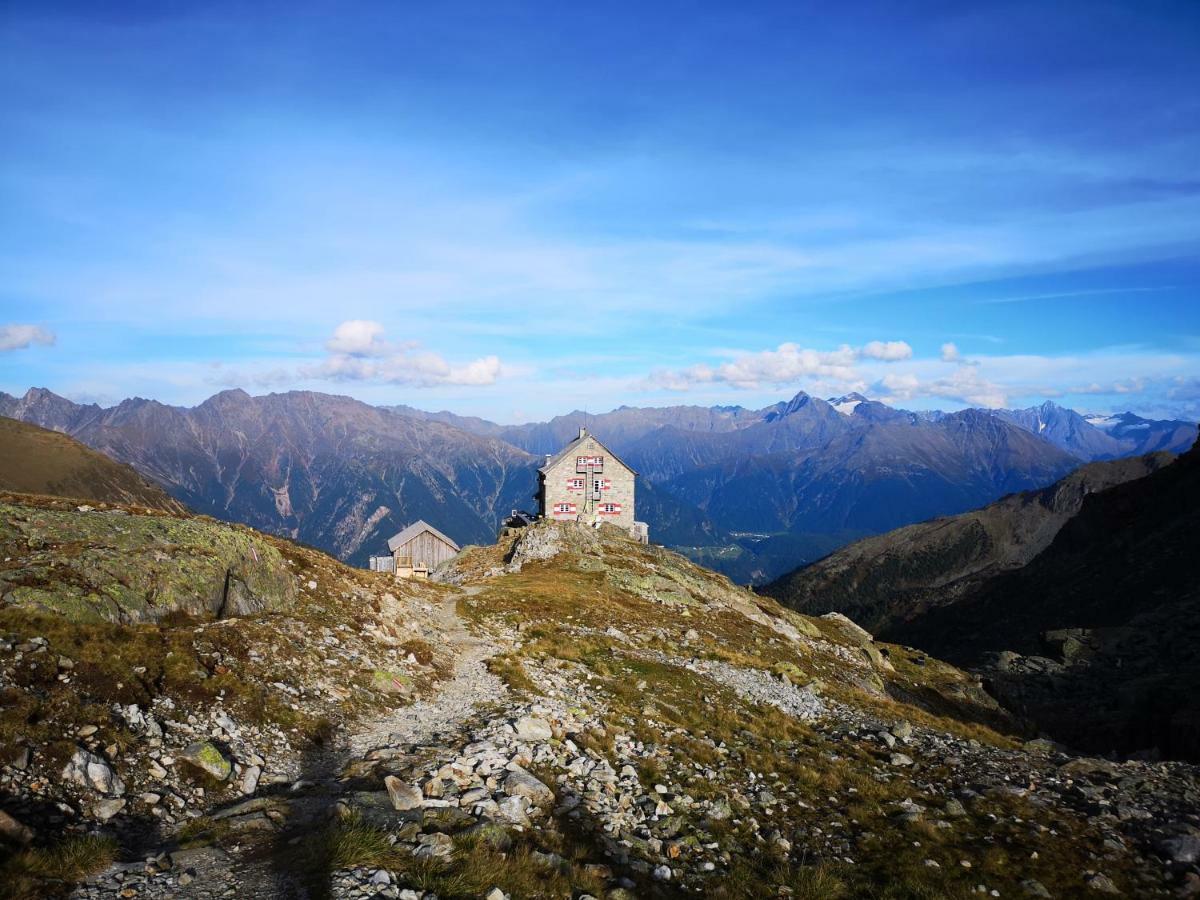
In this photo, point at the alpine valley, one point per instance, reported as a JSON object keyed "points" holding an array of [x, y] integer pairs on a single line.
{"points": [[751, 493]]}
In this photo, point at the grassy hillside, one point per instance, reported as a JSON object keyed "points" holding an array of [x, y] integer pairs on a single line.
{"points": [[566, 712], [36, 461]]}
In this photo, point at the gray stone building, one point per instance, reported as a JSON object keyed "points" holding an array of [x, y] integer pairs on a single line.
{"points": [[586, 482]]}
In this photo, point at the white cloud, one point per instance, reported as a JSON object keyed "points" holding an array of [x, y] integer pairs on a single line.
{"points": [[965, 385], [20, 337], [950, 352], [358, 337], [887, 351], [359, 352], [786, 364]]}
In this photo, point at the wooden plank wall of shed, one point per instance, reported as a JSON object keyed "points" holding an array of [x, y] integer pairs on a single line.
{"points": [[425, 549]]}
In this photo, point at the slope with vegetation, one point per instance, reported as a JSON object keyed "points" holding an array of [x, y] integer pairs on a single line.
{"points": [[886, 580], [34, 460], [1096, 636], [567, 713], [156, 666]]}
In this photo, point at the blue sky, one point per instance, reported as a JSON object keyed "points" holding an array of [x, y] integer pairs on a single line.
{"points": [[512, 210]]}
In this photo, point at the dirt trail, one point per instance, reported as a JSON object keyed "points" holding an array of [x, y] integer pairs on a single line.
{"points": [[263, 866], [456, 700]]}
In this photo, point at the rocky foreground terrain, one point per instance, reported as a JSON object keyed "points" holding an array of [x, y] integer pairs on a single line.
{"points": [[566, 714]]}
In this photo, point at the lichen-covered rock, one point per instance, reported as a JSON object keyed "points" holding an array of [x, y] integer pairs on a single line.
{"points": [[109, 565], [206, 756]]}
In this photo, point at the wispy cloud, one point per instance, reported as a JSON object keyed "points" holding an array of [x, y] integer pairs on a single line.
{"points": [[786, 364], [21, 337], [1065, 295]]}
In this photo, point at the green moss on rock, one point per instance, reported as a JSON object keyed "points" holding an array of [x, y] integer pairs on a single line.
{"points": [[112, 566]]}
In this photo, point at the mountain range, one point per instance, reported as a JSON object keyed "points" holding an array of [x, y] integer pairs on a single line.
{"points": [[754, 493]]}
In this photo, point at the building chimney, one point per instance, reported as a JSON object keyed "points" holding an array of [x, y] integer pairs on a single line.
{"points": [[582, 432]]}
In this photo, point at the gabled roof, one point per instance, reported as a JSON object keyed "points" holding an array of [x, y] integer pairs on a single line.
{"points": [[413, 530], [573, 446]]}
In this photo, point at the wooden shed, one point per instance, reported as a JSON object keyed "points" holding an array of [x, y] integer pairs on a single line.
{"points": [[419, 549]]}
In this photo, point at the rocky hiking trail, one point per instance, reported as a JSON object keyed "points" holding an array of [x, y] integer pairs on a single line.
{"points": [[603, 719], [470, 686], [264, 865]]}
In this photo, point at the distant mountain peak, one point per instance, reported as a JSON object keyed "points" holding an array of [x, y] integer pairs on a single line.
{"points": [[227, 396], [847, 403]]}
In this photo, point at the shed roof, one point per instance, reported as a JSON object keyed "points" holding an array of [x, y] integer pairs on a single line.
{"points": [[571, 447], [403, 537]]}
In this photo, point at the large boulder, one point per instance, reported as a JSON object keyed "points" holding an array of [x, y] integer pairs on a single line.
{"points": [[109, 565]]}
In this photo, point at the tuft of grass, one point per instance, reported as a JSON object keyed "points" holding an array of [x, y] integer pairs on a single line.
{"points": [[477, 865], [202, 832], [763, 877], [40, 872], [508, 669]]}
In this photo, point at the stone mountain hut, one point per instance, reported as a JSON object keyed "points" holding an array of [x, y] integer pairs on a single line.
{"points": [[416, 551], [586, 482]]}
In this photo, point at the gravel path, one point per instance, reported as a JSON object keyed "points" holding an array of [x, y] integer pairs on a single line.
{"points": [[260, 867], [470, 687]]}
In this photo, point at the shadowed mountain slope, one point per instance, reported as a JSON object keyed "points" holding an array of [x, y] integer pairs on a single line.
{"points": [[1100, 630], [886, 580]]}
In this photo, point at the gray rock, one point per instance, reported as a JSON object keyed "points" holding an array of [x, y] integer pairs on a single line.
{"points": [[522, 784], [1184, 848], [1034, 888], [106, 809], [531, 728], [434, 846], [13, 830], [21, 759], [1101, 883], [88, 770], [899, 759], [954, 809], [513, 810], [250, 779]]}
